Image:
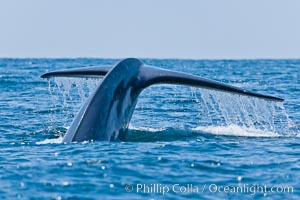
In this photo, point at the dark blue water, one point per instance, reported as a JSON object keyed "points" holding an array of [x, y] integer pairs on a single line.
{"points": [[183, 142]]}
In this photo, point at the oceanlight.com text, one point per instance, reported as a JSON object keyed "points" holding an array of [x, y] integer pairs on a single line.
{"points": [[163, 189]]}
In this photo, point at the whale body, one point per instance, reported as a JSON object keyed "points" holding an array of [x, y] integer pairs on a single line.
{"points": [[107, 112]]}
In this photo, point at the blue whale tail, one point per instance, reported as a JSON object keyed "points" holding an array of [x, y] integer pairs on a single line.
{"points": [[107, 113], [153, 75]]}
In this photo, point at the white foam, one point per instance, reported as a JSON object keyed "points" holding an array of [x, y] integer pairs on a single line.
{"points": [[235, 130], [146, 128], [51, 141]]}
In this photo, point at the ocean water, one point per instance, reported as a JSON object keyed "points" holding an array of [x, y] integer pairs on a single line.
{"points": [[182, 143]]}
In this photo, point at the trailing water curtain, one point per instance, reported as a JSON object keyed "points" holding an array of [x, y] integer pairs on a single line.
{"points": [[107, 112]]}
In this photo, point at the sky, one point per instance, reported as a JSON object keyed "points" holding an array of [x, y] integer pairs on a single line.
{"points": [[197, 29]]}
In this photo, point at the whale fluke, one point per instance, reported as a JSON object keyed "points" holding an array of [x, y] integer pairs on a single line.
{"points": [[108, 111], [80, 72]]}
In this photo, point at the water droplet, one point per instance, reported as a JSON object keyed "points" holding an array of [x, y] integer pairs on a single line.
{"points": [[58, 198], [265, 194], [239, 178], [65, 183]]}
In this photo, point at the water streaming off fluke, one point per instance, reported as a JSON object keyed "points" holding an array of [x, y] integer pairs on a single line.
{"points": [[217, 112], [241, 115]]}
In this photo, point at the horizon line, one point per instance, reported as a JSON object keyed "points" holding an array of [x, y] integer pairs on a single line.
{"points": [[155, 58]]}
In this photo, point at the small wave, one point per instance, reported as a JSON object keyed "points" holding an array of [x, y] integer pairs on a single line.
{"points": [[235, 130], [143, 134], [148, 134], [51, 141]]}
